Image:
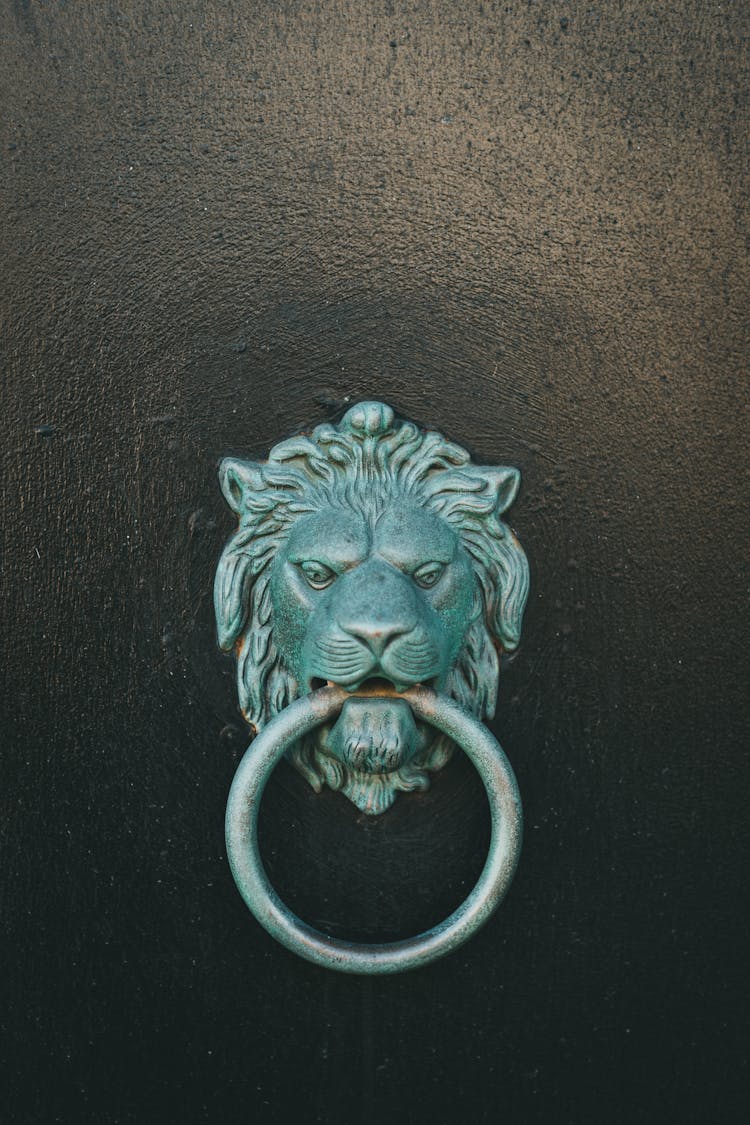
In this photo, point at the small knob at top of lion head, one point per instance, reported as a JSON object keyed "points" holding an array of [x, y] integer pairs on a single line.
{"points": [[369, 418]]}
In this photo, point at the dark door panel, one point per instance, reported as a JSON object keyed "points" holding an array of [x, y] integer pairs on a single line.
{"points": [[517, 224]]}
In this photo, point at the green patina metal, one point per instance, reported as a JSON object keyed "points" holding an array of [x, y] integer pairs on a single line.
{"points": [[370, 559], [369, 551]]}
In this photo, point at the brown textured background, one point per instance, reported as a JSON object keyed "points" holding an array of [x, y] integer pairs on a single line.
{"points": [[524, 224]]}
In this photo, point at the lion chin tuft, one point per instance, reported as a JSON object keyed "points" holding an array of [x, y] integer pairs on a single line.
{"points": [[373, 736], [372, 793]]}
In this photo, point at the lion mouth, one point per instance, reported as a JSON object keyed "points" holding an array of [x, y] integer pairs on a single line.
{"points": [[372, 685], [376, 731]]}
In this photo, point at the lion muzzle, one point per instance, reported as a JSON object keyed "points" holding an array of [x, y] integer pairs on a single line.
{"points": [[374, 735]]}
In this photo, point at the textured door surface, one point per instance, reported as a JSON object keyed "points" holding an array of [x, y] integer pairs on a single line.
{"points": [[519, 223]]}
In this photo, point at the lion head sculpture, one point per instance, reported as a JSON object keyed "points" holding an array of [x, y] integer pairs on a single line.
{"points": [[370, 555]]}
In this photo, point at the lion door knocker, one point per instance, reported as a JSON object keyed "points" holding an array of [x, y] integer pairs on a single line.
{"points": [[367, 590]]}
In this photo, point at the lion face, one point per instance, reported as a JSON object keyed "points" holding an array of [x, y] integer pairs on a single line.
{"points": [[356, 598], [360, 602], [370, 556]]}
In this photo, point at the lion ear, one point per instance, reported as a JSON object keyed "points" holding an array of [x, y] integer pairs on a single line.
{"points": [[506, 600], [238, 479], [232, 591], [502, 482], [474, 490], [474, 497]]}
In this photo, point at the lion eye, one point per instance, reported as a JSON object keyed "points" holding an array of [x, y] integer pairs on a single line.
{"points": [[317, 574], [428, 574]]}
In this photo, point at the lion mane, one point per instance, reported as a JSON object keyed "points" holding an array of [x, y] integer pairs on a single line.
{"points": [[365, 462]]}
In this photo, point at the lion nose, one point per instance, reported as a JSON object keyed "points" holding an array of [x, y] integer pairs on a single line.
{"points": [[377, 635]]}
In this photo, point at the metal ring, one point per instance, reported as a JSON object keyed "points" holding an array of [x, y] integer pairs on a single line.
{"points": [[243, 805]]}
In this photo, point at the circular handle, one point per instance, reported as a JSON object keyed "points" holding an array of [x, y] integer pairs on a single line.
{"points": [[243, 805]]}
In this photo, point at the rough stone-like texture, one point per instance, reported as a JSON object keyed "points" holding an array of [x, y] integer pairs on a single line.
{"points": [[523, 224]]}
